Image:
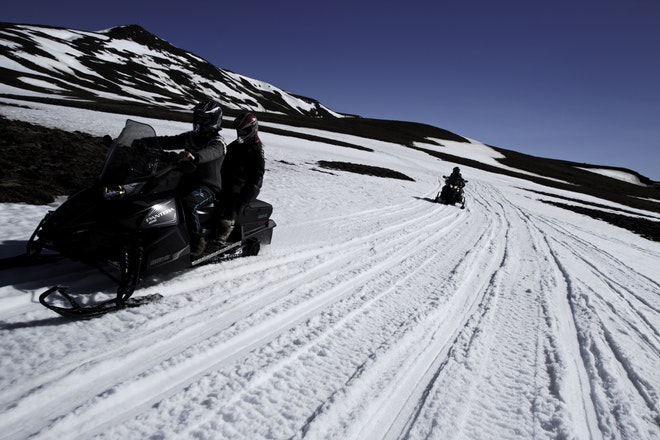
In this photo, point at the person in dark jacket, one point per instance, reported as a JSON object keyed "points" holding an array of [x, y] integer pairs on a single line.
{"points": [[201, 158], [242, 173], [455, 178]]}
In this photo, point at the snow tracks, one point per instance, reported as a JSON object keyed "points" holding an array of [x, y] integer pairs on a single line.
{"points": [[414, 320]]}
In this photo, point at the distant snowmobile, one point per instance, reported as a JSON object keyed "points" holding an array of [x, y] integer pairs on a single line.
{"points": [[451, 193], [131, 223]]}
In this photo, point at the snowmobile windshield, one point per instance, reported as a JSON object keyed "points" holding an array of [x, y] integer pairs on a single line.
{"points": [[127, 164]]}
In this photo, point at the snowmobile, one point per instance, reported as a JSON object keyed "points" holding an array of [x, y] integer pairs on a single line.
{"points": [[451, 193], [131, 223]]}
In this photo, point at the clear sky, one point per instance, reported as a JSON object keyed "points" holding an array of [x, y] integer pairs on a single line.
{"points": [[569, 79]]}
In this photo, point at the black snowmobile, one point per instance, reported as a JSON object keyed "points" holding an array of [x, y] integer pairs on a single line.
{"points": [[451, 193], [131, 223]]}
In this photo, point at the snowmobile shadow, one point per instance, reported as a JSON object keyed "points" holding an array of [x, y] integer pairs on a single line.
{"points": [[83, 280], [428, 199], [85, 283], [12, 247], [16, 268], [10, 250], [46, 322], [48, 268]]}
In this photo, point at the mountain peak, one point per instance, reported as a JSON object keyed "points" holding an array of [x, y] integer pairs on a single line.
{"points": [[133, 32], [92, 66]]}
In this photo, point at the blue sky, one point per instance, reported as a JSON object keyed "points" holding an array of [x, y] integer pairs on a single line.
{"points": [[571, 79]]}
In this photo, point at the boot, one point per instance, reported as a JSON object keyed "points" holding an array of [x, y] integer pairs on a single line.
{"points": [[197, 246], [225, 230]]}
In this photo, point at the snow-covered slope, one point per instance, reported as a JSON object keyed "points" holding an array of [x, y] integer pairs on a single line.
{"points": [[127, 64], [375, 313], [615, 174]]}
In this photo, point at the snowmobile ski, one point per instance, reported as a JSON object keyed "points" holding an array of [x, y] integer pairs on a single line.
{"points": [[218, 253], [74, 310]]}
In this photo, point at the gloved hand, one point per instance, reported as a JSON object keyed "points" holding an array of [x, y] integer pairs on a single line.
{"points": [[187, 155], [187, 162]]}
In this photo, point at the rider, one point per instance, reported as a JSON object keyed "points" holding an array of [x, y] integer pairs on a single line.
{"points": [[455, 178], [242, 172], [203, 151]]}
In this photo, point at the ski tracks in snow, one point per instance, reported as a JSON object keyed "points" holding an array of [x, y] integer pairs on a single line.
{"points": [[613, 308], [413, 320]]}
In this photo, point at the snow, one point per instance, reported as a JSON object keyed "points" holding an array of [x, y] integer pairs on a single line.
{"points": [[40, 83], [616, 174], [374, 314]]}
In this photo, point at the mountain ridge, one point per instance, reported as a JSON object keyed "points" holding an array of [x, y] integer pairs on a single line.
{"points": [[130, 63]]}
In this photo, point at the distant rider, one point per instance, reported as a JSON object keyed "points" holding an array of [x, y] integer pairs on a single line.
{"points": [[455, 178], [242, 173], [201, 161]]}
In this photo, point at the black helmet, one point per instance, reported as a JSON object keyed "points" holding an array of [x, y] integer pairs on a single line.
{"points": [[457, 170], [246, 126], [207, 116]]}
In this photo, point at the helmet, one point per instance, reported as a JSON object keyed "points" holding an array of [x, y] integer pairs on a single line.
{"points": [[246, 126], [207, 116], [457, 170]]}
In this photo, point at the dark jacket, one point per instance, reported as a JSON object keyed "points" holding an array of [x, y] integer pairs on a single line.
{"points": [[456, 179], [243, 169], [209, 155]]}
